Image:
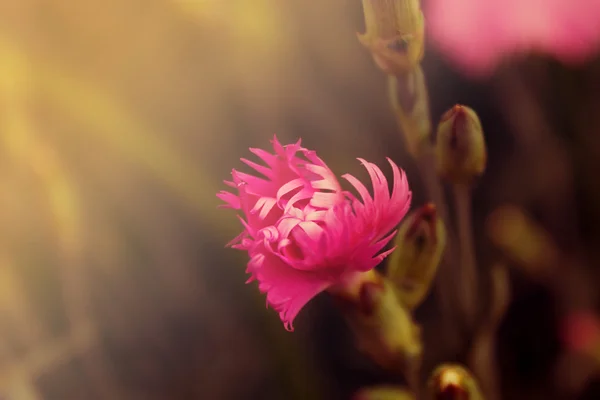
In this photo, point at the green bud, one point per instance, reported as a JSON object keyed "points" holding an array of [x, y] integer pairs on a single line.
{"points": [[453, 382], [395, 34], [460, 147], [420, 244], [384, 393], [382, 326]]}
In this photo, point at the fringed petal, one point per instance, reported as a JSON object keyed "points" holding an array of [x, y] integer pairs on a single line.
{"points": [[267, 157], [267, 172], [380, 185], [231, 200], [288, 290], [360, 188], [302, 232]]}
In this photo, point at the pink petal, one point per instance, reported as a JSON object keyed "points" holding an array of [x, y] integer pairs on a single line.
{"points": [[477, 34], [249, 228], [380, 184], [277, 146], [379, 258], [377, 246], [288, 188], [264, 205], [267, 157], [236, 240], [231, 199], [288, 290], [260, 168], [302, 232], [312, 230], [255, 185], [304, 194], [360, 188], [286, 225]]}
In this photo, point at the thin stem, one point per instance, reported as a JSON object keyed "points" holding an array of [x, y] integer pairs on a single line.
{"points": [[467, 270], [426, 164], [447, 298], [410, 102], [412, 374], [483, 360]]}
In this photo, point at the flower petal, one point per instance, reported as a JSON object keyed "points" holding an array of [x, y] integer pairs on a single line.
{"points": [[288, 290]]}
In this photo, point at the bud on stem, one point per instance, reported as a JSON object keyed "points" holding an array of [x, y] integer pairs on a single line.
{"points": [[383, 327], [395, 34], [460, 146], [453, 382], [420, 244]]}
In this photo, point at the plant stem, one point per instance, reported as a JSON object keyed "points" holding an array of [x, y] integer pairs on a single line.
{"points": [[412, 374], [447, 298], [482, 359], [467, 271], [426, 164]]}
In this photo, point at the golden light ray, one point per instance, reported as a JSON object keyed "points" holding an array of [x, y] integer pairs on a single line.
{"points": [[113, 126], [252, 21], [28, 150], [22, 388]]}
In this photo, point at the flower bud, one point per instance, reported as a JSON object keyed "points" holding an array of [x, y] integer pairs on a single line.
{"points": [[420, 244], [460, 147], [384, 393], [453, 382], [395, 32], [383, 327]]}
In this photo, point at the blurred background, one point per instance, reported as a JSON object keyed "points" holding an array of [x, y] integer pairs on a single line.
{"points": [[120, 119]]}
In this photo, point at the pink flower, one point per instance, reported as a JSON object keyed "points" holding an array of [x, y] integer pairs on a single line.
{"points": [[303, 233], [476, 34], [581, 331]]}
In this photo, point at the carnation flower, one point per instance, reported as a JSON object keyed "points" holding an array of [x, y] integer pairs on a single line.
{"points": [[303, 233], [476, 34]]}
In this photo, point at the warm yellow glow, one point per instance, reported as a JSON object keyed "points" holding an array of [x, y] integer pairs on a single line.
{"points": [[253, 22], [117, 126], [112, 126], [450, 377]]}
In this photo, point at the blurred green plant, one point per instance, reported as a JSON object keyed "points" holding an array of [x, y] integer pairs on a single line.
{"points": [[384, 393], [459, 157], [420, 243]]}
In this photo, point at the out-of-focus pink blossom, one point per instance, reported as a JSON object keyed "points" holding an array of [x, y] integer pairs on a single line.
{"points": [[581, 331], [476, 34], [303, 233]]}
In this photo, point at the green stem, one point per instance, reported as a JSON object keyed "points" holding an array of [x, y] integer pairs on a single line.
{"points": [[467, 270], [426, 164], [410, 102], [412, 374], [447, 297]]}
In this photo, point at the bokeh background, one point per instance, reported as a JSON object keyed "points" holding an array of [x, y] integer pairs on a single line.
{"points": [[120, 119]]}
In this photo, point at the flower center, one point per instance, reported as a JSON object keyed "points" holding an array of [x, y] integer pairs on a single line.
{"points": [[293, 251]]}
